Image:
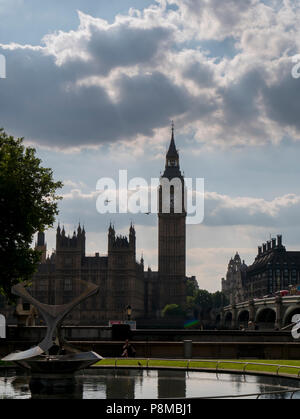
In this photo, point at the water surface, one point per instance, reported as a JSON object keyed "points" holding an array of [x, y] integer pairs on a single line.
{"points": [[145, 384]]}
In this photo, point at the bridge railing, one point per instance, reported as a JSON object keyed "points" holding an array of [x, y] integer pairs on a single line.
{"points": [[187, 364], [259, 301]]}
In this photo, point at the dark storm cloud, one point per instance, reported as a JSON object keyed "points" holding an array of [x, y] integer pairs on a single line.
{"points": [[152, 100], [223, 210], [282, 98], [35, 101], [41, 100], [125, 46], [239, 97], [118, 46], [200, 73], [38, 100], [50, 97]]}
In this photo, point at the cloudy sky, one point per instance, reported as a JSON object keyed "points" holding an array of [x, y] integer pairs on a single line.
{"points": [[94, 86]]}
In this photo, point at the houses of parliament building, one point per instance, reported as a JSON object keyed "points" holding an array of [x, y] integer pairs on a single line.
{"points": [[122, 279]]}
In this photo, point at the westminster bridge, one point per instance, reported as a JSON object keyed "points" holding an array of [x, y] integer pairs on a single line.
{"points": [[266, 313]]}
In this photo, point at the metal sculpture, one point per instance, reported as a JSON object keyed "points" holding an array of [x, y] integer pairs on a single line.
{"points": [[53, 316]]}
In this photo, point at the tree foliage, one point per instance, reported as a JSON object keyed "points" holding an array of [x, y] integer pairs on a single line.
{"points": [[202, 302], [219, 299], [172, 310], [203, 299], [28, 204], [191, 288]]}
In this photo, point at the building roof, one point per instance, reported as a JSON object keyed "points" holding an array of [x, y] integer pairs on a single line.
{"points": [[172, 152], [275, 257], [172, 172]]}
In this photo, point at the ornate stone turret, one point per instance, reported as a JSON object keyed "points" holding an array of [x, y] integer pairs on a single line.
{"points": [[76, 242], [237, 258], [123, 280], [232, 286], [132, 239], [111, 236], [172, 167], [41, 245]]}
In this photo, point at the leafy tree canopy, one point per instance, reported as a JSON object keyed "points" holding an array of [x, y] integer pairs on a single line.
{"points": [[203, 299], [191, 288], [207, 301], [28, 204], [172, 310], [219, 299]]}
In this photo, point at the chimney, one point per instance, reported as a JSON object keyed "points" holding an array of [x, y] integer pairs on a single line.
{"points": [[273, 243], [259, 250], [279, 240], [264, 247], [268, 245]]}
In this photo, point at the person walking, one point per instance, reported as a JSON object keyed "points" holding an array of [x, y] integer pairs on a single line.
{"points": [[128, 350]]}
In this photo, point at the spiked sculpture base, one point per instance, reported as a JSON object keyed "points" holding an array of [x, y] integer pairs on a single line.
{"points": [[59, 364], [67, 359]]}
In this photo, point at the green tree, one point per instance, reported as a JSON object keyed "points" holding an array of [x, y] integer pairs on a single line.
{"points": [[191, 288], [28, 203], [172, 310], [204, 302], [219, 299]]}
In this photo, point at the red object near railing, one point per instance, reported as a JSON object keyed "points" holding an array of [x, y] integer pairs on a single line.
{"points": [[283, 293]]}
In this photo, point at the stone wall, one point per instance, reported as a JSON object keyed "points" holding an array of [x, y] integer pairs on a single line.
{"points": [[171, 350]]}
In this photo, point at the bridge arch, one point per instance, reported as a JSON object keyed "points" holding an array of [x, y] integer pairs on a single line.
{"points": [[243, 318], [228, 319], [265, 318], [288, 315]]}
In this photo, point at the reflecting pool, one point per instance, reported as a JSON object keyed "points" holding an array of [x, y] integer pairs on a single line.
{"points": [[105, 383]]}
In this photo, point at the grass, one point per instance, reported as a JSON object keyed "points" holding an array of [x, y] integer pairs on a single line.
{"points": [[5, 363], [209, 364], [212, 364]]}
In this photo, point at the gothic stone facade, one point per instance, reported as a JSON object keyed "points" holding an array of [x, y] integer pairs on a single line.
{"points": [[118, 274], [172, 231], [273, 269], [232, 286], [121, 278]]}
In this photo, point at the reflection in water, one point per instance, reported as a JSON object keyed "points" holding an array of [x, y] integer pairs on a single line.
{"points": [[281, 384], [171, 383], [58, 387], [143, 384], [20, 384], [126, 380]]}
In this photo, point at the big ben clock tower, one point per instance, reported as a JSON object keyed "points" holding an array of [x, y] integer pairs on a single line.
{"points": [[172, 232]]}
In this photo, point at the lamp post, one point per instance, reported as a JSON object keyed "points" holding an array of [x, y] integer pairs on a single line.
{"points": [[129, 312]]}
